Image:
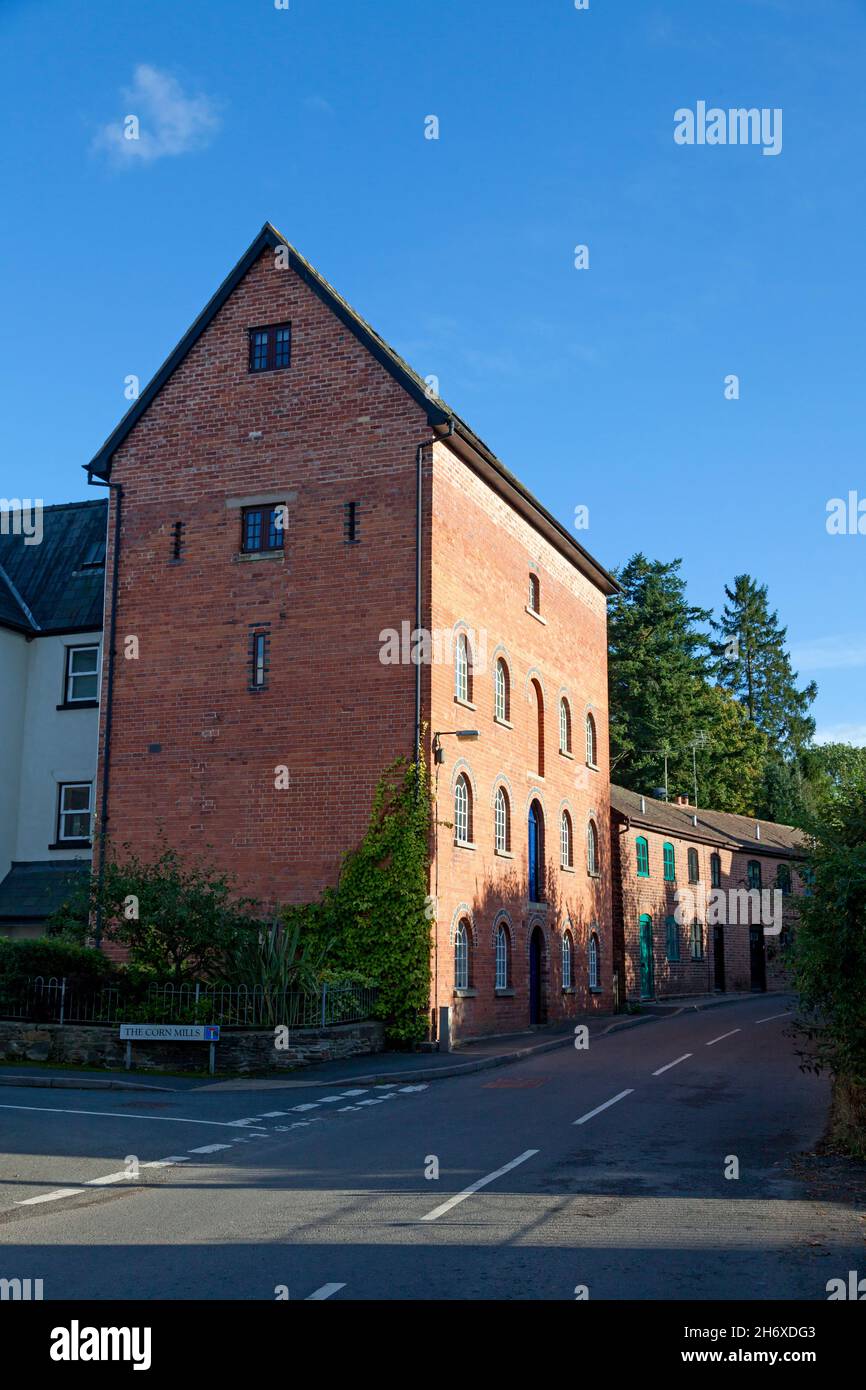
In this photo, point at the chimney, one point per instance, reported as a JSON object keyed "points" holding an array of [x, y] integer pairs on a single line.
{"points": [[682, 801], [757, 831], [643, 805]]}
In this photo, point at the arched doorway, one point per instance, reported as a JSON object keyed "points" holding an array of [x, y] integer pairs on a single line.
{"points": [[536, 976]]}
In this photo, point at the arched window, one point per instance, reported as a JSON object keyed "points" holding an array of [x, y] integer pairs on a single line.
{"points": [[461, 955], [670, 863], [564, 726], [591, 748], [534, 593], [642, 849], [567, 957], [591, 848], [463, 668], [716, 870], [536, 853], [502, 821], [753, 873], [502, 691], [593, 962], [462, 811], [783, 879], [501, 957], [566, 857], [673, 938], [694, 872]]}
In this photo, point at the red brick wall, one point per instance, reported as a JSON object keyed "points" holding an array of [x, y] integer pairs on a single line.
{"points": [[482, 553], [656, 898], [335, 428]]}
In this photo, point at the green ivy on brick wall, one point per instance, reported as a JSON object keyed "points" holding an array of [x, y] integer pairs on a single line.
{"points": [[377, 915]]}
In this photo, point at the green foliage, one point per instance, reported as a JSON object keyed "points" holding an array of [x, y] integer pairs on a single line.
{"points": [[173, 919], [276, 960], [55, 956], [376, 917], [828, 955]]}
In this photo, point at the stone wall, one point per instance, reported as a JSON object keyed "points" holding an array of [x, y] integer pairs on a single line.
{"points": [[244, 1051]]}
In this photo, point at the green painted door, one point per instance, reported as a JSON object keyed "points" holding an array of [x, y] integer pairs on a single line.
{"points": [[647, 969]]}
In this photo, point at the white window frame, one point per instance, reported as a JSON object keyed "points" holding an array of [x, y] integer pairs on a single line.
{"points": [[70, 676], [64, 787], [591, 750], [501, 821], [592, 848], [461, 668], [501, 957], [566, 857], [567, 953], [500, 708], [564, 726], [592, 958]]}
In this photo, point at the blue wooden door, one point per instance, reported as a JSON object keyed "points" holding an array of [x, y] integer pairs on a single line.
{"points": [[533, 854]]}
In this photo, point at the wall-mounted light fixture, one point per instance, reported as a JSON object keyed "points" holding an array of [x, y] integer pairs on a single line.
{"points": [[439, 751]]}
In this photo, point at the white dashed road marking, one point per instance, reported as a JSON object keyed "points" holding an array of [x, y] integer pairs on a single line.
{"points": [[723, 1036], [482, 1182], [598, 1109], [209, 1148], [324, 1292], [772, 1016], [675, 1063]]}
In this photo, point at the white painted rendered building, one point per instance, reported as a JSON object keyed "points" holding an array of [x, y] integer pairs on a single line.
{"points": [[51, 596]]}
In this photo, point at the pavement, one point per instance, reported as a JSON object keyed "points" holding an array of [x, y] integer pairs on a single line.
{"points": [[657, 1163]]}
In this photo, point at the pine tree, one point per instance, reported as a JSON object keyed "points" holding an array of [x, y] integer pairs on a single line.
{"points": [[659, 663], [753, 664]]}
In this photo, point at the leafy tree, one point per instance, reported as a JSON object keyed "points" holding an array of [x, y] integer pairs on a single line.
{"points": [[829, 953], [731, 759], [174, 920], [754, 665]]}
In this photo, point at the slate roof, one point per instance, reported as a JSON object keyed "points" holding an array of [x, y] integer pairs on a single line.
{"points": [[31, 892], [439, 414], [58, 585], [715, 827]]}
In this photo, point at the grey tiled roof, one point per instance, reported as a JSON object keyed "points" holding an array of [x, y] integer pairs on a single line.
{"points": [[31, 892], [57, 585], [720, 827]]}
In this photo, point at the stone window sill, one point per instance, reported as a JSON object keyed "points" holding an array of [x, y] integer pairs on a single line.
{"points": [[503, 723], [503, 854], [79, 704], [564, 753], [568, 989], [467, 704], [504, 993], [72, 844], [593, 767], [244, 556], [465, 993], [464, 844], [566, 868], [537, 616]]}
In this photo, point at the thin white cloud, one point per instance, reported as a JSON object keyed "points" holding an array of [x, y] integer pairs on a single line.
{"points": [[842, 651], [842, 733], [319, 103], [166, 121]]}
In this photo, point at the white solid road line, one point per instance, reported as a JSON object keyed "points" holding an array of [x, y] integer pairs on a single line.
{"points": [[723, 1036], [210, 1148], [50, 1196], [122, 1176], [598, 1109], [118, 1115], [672, 1064], [324, 1292], [482, 1182], [772, 1016]]}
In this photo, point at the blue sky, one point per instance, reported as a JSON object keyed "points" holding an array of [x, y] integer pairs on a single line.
{"points": [[602, 387]]}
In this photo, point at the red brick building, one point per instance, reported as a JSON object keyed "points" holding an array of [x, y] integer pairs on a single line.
{"points": [[283, 494], [661, 850]]}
